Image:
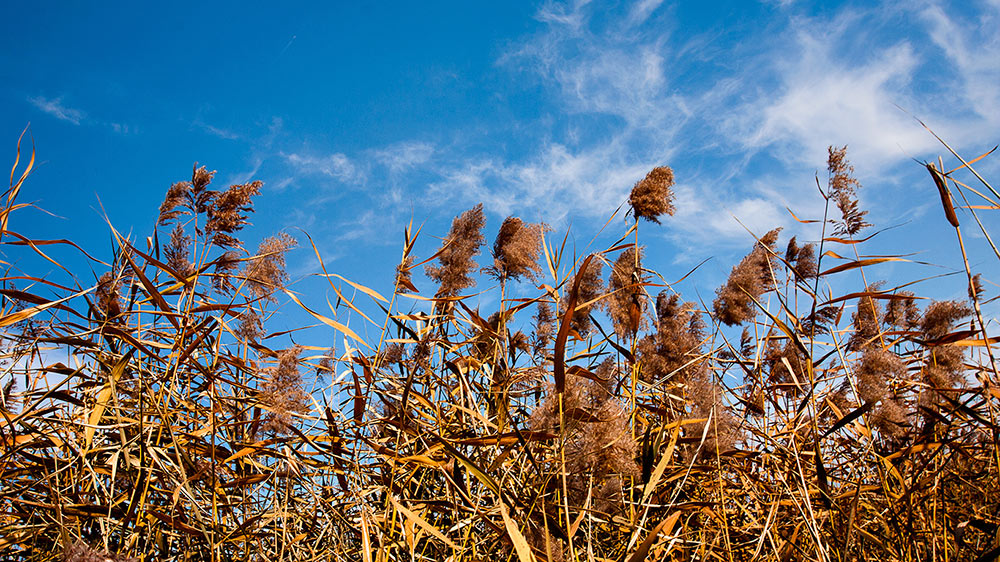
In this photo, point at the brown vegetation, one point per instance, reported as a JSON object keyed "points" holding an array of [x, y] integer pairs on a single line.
{"points": [[613, 425]]}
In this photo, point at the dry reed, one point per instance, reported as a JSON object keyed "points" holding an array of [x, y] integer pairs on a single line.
{"points": [[173, 432]]}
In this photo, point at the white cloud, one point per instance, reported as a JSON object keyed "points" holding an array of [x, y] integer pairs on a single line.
{"points": [[337, 166], [217, 132], [551, 185], [405, 155], [55, 108], [974, 51], [623, 79], [853, 79], [641, 10], [572, 17], [825, 101], [744, 123]]}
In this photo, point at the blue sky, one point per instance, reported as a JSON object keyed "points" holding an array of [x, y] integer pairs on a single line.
{"points": [[358, 118]]}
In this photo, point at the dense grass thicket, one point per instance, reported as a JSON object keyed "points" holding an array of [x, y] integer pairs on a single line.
{"points": [[602, 417]]}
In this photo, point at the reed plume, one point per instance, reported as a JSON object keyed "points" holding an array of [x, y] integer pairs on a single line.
{"points": [[456, 257], [748, 280], [652, 196]]}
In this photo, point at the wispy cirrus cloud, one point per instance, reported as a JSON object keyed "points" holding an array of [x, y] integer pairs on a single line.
{"points": [[622, 111], [630, 91], [337, 166], [405, 155], [973, 48], [217, 131], [56, 108], [824, 101], [556, 182]]}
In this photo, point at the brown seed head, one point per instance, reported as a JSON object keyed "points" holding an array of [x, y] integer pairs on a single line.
{"points": [[178, 252], [652, 197], [627, 303], [776, 355], [675, 349], [225, 265], [404, 276], [877, 368], [109, 295], [517, 249], [805, 262], [591, 286], [544, 328], [902, 312], [867, 319], [200, 197], [228, 214], [843, 189], [250, 328], [752, 277], [976, 287], [177, 196], [723, 429], [940, 317], [457, 257], [265, 273], [282, 391]]}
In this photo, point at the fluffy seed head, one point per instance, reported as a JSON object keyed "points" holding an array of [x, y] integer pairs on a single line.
{"points": [[544, 328], [517, 249], [902, 312], [225, 265], [457, 257], [752, 277], [802, 259], [627, 304], [249, 328], [228, 214], [177, 196], [877, 368], [282, 391], [976, 287], [200, 197], [404, 276], [265, 273], [723, 429], [866, 319], [652, 197], [178, 252], [843, 189], [675, 349], [940, 317], [109, 295], [591, 287]]}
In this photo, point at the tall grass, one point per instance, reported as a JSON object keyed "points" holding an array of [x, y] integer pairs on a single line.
{"points": [[602, 417]]}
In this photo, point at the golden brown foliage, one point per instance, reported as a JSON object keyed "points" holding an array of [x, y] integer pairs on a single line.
{"points": [[177, 421], [282, 391]]}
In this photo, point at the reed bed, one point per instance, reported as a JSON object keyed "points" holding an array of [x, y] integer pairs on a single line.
{"points": [[602, 417]]}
